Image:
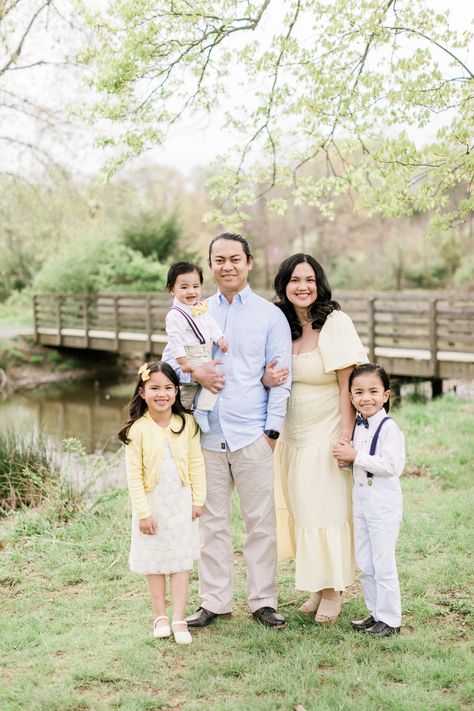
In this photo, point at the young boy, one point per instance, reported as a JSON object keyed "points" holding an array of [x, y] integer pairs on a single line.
{"points": [[377, 454]]}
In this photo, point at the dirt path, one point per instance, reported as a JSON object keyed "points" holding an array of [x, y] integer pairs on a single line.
{"points": [[12, 331]]}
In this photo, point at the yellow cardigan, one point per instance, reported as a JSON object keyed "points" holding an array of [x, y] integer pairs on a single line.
{"points": [[144, 456]]}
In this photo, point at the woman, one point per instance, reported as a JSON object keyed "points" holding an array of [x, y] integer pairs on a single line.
{"points": [[312, 494]]}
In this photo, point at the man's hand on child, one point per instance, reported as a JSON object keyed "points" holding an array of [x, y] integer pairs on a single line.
{"points": [[274, 376], [185, 364], [208, 376], [197, 511], [147, 526]]}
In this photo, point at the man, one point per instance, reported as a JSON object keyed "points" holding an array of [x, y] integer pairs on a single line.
{"points": [[244, 427]]}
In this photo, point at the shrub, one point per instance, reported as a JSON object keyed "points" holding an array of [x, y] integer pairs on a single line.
{"points": [[54, 358], [153, 236], [99, 265], [26, 466]]}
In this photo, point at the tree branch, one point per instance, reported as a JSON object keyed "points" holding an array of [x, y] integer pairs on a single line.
{"points": [[16, 53]]}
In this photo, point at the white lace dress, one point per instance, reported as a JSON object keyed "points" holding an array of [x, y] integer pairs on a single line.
{"points": [[176, 543]]}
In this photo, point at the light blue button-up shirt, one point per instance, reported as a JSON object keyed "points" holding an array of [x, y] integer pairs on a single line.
{"points": [[257, 332]]}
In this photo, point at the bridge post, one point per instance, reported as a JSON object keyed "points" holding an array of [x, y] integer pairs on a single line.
{"points": [[148, 324], [58, 319], [436, 381], [85, 306], [371, 328], [116, 323], [35, 317]]}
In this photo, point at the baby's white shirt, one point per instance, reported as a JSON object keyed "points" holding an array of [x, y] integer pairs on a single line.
{"points": [[181, 334]]}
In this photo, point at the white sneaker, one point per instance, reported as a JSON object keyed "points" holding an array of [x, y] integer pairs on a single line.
{"points": [[181, 636], [161, 631]]}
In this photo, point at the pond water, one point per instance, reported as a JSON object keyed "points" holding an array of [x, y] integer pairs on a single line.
{"points": [[92, 412]]}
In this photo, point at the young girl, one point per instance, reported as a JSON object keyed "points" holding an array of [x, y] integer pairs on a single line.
{"points": [[167, 485], [377, 454], [191, 331]]}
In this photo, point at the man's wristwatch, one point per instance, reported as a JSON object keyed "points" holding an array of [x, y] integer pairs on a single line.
{"points": [[273, 434]]}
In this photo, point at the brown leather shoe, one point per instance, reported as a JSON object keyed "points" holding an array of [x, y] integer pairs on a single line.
{"points": [[269, 617]]}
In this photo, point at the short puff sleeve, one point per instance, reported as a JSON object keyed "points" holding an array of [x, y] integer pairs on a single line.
{"points": [[339, 343]]}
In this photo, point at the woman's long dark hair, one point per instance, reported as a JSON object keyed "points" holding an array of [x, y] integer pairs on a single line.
{"points": [[137, 405], [319, 309]]}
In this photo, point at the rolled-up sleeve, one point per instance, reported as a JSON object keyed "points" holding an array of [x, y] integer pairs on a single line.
{"points": [[278, 348]]}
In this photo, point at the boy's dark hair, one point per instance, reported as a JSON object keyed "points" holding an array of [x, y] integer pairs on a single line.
{"points": [[232, 237], [320, 309], [379, 370], [137, 405], [179, 268]]}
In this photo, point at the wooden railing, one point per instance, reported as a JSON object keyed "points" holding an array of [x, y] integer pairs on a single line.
{"points": [[425, 334]]}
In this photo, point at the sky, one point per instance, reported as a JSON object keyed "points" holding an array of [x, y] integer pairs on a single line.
{"points": [[191, 144]]}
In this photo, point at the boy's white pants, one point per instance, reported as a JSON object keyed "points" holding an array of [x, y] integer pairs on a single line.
{"points": [[377, 516], [200, 354]]}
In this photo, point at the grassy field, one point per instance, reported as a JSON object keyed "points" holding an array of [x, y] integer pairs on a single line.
{"points": [[75, 627]]}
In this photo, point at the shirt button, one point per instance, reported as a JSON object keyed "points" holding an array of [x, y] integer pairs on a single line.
{"points": [[222, 445]]}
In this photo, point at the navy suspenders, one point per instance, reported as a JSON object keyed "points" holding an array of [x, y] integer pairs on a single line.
{"points": [[192, 323], [373, 446]]}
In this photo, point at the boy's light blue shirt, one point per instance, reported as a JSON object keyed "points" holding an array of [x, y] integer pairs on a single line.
{"points": [[257, 332]]}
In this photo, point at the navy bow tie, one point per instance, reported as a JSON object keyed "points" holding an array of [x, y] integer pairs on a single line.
{"points": [[362, 421]]}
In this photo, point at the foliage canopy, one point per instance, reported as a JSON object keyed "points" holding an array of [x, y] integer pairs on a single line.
{"points": [[331, 90]]}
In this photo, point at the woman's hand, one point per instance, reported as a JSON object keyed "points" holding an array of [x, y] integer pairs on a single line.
{"points": [[273, 377], [147, 526], [197, 511]]}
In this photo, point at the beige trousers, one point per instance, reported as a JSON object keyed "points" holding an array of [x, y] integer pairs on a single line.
{"points": [[200, 354], [250, 470]]}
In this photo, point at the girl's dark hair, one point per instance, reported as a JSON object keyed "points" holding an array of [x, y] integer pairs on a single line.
{"points": [[232, 237], [379, 370], [179, 268], [320, 309], [137, 405]]}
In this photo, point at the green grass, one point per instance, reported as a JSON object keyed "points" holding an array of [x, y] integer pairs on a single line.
{"points": [[76, 624]]}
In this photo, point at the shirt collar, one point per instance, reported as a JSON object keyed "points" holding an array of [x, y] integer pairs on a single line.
{"points": [[376, 419], [242, 296], [188, 309]]}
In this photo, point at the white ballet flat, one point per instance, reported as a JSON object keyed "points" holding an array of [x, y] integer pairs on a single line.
{"points": [[163, 630], [183, 636]]}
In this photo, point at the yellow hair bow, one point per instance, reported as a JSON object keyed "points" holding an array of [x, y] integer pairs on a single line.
{"points": [[144, 371], [200, 309]]}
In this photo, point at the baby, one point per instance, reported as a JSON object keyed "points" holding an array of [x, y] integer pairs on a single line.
{"points": [[191, 331]]}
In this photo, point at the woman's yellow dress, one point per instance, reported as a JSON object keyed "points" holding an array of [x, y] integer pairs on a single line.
{"points": [[313, 496]]}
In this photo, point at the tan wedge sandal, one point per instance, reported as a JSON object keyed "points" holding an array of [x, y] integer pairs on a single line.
{"points": [[311, 605], [329, 609]]}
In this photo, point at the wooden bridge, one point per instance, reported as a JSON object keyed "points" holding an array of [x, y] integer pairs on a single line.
{"points": [[427, 335]]}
